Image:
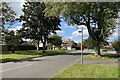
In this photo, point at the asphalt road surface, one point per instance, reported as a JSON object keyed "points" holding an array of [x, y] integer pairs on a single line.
{"points": [[43, 67]]}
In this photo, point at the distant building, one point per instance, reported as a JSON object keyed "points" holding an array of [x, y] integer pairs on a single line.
{"points": [[69, 45], [41, 45]]}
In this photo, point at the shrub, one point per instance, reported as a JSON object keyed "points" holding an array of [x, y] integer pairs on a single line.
{"points": [[116, 46]]}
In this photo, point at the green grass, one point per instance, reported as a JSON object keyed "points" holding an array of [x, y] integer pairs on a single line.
{"points": [[89, 71], [20, 55], [105, 56]]}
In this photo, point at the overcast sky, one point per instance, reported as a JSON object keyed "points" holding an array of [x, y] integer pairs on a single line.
{"points": [[67, 32]]}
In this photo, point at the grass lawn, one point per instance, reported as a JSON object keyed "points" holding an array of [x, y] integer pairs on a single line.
{"points": [[89, 71], [105, 56], [20, 55]]}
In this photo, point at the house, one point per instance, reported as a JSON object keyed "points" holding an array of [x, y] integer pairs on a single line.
{"points": [[69, 45], [41, 46]]}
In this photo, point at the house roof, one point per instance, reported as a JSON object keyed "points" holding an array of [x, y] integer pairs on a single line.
{"points": [[70, 43]]}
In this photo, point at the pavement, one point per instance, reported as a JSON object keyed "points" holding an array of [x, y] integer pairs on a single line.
{"points": [[42, 67], [106, 62]]}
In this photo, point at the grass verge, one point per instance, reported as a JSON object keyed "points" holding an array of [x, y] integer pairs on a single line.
{"points": [[21, 55], [89, 71], [105, 56]]}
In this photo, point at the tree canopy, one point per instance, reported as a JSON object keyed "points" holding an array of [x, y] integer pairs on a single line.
{"points": [[98, 17], [87, 43], [7, 16], [56, 40], [36, 25]]}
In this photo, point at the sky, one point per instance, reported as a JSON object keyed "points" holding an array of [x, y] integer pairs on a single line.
{"points": [[67, 32]]}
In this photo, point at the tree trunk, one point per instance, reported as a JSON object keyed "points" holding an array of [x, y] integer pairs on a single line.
{"points": [[96, 45], [37, 45], [97, 50], [44, 43]]}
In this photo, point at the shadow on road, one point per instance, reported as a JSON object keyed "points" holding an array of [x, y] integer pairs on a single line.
{"points": [[76, 53]]}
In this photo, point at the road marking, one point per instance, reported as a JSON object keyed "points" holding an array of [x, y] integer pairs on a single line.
{"points": [[15, 67]]}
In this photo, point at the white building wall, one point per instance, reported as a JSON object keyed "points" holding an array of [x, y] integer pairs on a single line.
{"points": [[69, 48], [41, 44]]}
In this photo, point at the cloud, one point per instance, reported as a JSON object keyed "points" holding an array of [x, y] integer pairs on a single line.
{"points": [[67, 38], [17, 7], [60, 33], [69, 26], [77, 34], [16, 28], [114, 36]]}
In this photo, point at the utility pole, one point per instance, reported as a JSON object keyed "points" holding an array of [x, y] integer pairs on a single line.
{"points": [[81, 46]]}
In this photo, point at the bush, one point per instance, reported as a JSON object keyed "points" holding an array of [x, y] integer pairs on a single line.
{"points": [[116, 46]]}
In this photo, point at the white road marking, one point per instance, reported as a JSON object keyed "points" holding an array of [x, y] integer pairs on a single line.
{"points": [[15, 67]]}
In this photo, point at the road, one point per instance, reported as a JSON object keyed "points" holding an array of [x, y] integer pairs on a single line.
{"points": [[43, 67]]}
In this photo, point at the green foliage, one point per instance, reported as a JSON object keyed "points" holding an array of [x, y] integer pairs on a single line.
{"points": [[36, 25], [32, 42], [11, 39], [116, 46], [99, 18], [7, 16], [87, 43], [49, 45], [56, 40]]}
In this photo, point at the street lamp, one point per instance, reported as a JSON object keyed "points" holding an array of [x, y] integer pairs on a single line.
{"points": [[81, 45]]}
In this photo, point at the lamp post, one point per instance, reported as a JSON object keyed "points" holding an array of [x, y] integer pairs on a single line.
{"points": [[81, 45], [119, 25]]}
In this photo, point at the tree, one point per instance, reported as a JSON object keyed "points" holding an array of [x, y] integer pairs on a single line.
{"points": [[8, 17], [56, 40], [12, 39], [99, 18], [32, 42], [116, 46], [36, 25], [87, 43], [49, 45]]}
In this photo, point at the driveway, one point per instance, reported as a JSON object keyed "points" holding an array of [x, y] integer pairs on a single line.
{"points": [[43, 67]]}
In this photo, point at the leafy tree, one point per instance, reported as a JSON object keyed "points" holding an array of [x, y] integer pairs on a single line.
{"points": [[49, 45], [36, 25], [7, 16], [98, 17], [116, 46], [32, 42], [56, 40], [87, 43], [12, 39]]}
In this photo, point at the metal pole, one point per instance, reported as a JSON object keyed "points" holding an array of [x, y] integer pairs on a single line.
{"points": [[82, 48], [119, 25]]}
